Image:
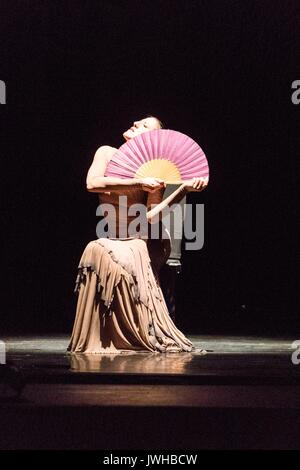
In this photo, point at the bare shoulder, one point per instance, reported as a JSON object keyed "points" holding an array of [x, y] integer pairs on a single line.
{"points": [[105, 151], [99, 164]]}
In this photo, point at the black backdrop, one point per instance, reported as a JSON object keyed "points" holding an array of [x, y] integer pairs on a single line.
{"points": [[78, 73]]}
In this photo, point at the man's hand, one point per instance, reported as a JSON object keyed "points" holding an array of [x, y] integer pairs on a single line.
{"points": [[151, 184], [196, 184]]}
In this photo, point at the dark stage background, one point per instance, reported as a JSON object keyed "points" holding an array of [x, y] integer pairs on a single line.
{"points": [[77, 74]]}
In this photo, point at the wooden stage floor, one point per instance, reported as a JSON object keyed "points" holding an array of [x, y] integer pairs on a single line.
{"points": [[243, 394]]}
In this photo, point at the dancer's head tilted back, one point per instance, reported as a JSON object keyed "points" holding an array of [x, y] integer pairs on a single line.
{"points": [[149, 123]]}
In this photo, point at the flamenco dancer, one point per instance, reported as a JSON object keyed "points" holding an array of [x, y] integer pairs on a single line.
{"points": [[120, 306]]}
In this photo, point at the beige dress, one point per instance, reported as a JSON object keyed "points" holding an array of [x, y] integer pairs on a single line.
{"points": [[120, 304]]}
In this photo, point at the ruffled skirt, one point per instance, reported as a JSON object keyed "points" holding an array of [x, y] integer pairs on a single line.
{"points": [[120, 304]]}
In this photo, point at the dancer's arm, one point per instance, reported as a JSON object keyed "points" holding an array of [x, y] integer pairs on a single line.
{"points": [[96, 182], [155, 214]]}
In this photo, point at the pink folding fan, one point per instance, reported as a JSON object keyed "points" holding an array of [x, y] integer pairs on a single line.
{"points": [[160, 153]]}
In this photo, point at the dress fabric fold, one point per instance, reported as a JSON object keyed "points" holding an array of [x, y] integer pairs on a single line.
{"points": [[120, 304]]}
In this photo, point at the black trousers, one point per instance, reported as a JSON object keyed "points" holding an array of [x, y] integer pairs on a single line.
{"points": [[169, 274], [168, 278]]}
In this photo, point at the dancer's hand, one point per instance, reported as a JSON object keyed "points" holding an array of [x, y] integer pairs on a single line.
{"points": [[196, 184], [151, 184]]}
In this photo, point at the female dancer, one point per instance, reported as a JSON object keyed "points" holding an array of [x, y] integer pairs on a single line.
{"points": [[120, 304]]}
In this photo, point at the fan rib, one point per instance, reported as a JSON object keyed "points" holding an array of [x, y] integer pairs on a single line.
{"points": [[171, 154]]}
